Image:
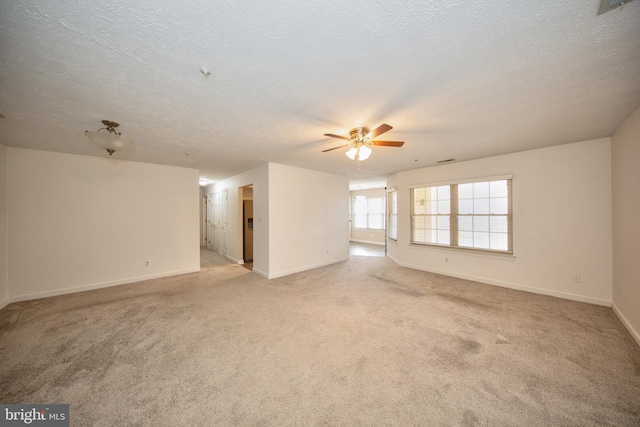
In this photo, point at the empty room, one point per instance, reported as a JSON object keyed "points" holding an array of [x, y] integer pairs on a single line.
{"points": [[320, 213]]}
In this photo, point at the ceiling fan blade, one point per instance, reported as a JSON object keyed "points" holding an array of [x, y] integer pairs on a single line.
{"points": [[335, 148], [336, 136], [389, 143], [380, 130]]}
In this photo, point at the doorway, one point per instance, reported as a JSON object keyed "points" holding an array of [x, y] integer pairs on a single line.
{"points": [[246, 197]]}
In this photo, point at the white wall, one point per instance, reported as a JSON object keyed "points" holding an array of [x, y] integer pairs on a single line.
{"points": [[368, 236], [259, 177], [4, 238], [79, 222], [300, 218], [561, 216], [308, 219], [625, 148]]}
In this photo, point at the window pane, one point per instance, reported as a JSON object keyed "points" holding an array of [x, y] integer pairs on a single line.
{"points": [[465, 223], [481, 206], [393, 227], [394, 202], [499, 224], [432, 193], [480, 240], [393, 215], [418, 235], [465, 191], [418, 200], [432, 235], [444, 192], [360, 221], [443, 222], [433, 207], [480, 190], [444, 207], [481, 223], [465, 206], [499, 205], [360, 205], [375, 205], [499, 188], [499, 241], [443, 237], [375, 221], [465, 238]]}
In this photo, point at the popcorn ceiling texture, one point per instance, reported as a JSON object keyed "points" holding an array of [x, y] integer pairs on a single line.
{"points": [[457, 80], [363, 342]]}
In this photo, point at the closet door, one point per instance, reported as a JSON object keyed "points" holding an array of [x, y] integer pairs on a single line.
{"points": [[223, 222]]}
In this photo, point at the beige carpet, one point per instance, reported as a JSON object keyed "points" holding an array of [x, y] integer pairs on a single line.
{"points": [[362, 342]]}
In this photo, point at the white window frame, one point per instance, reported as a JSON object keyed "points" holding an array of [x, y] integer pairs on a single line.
{"points": [[450, 221]]}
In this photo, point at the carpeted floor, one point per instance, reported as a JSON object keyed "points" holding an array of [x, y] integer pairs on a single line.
{"points": [[363, 342]]}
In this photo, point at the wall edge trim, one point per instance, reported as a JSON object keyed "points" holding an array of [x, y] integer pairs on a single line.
{"points": [[634, 334], [90, 287], [305, 268], [515, 286], [371, 242]]}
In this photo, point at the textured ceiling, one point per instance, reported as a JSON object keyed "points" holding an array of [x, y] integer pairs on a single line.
{"points": [[456, 79]]}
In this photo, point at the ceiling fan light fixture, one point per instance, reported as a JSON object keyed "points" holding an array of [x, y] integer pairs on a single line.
{"points": [[110, 140], [365, 152], [360, 141], [351, 153]]}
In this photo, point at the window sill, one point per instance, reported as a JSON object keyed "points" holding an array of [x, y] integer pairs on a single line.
{"points": [[463, 251]]}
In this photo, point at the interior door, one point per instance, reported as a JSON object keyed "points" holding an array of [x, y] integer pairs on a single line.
{"points": [[214, 218], [205, 223], [211, 218], [247, 215], [223, 222]]}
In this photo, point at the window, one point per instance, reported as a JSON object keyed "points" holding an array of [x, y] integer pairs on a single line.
{"points": [[470, 215], [368, 212], [392, 199]]}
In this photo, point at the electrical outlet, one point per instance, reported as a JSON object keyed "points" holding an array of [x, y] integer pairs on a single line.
{"points": [[576, 278], [147, 263]]}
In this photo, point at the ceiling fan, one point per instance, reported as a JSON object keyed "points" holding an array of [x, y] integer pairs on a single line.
{"points": [[360, 139]]}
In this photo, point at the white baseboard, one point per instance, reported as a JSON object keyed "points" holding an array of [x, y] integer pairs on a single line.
{"points": [[5, 302], [234, 260], [371, 242], [509, 285], [260, 273], [308, 267], [625, 322], [93, 286]]}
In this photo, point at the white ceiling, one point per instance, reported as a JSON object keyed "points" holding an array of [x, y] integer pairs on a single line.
{"points": [[456, 79]]}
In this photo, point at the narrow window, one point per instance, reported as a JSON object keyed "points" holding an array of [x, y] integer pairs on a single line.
{"points": [[392, 209]]}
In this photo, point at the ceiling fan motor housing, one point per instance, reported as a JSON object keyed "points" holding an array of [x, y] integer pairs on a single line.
{"points": [[359, 136]]}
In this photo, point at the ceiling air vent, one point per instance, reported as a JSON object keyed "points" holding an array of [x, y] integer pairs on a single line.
{"points": [[607, 5], [444, 161]]}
